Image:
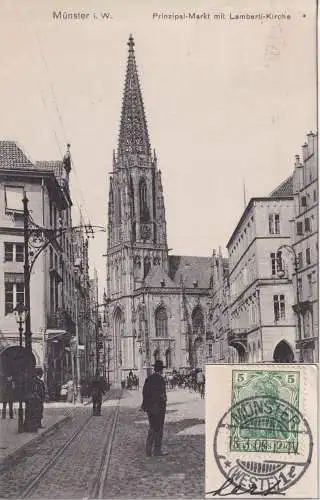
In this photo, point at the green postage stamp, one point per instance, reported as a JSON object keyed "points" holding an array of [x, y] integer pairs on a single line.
{"points": [[261, 430], [264, 411]]}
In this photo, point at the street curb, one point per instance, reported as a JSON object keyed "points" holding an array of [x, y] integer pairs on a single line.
{"points": [[12, 457]]}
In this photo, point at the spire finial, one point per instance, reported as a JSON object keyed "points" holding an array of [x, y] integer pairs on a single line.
{"points": [[133, 136], [131, 43]]}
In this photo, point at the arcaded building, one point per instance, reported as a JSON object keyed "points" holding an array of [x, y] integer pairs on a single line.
{"points": [[157, 303]]}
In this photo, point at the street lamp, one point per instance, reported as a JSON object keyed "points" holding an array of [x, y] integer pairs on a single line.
{"points": [[36, 240], [108, 340], [281, 274], [19, 313]]}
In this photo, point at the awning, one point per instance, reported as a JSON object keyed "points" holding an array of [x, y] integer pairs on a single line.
{"points": [[15, 360]]}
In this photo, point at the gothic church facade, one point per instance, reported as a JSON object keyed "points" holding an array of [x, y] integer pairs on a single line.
{"points": [[158, 304]]}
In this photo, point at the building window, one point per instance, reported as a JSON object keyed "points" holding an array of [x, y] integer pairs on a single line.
{"points": [[13, 198], [304, 202], [307, 225], [146, 266], [51, 258], [118, 207], [307, 323], [314, 195], [309, 278], [197, 321], [19, 252], [13, 252], [156, 355], [279, 308], [274, 223], [300, 260], [8, 252], [299, 228], [308, 257], [210, 350], [276, 263], [54, 217], [300, 287], [50, 213], [144, 211], [168, 359], [161, 322], [14, 291]]}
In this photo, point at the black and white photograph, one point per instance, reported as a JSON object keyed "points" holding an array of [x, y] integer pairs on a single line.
{"points": [[158, 214]]}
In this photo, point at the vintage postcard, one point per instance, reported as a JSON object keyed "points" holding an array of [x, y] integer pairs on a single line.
{"points": [[262, 431], [158, 213]]}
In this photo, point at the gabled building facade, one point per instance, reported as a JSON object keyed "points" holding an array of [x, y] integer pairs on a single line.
{"points": [[53, 277], [218, 348], [305, 244], [158, 303]]}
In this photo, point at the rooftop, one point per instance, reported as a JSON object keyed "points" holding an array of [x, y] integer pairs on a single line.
{"points": [[192, 270], [284, 189], [12, 156]]}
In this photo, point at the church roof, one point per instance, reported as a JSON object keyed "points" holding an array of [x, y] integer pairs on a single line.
{"points": [[192, 270], [133, 136], [157, 275], [284, 189], [12, 156]]}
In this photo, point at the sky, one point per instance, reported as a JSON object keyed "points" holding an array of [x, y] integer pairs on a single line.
{"points": [[228, 102]]}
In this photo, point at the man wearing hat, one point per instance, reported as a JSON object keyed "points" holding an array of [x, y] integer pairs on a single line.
{"points": [[154, 403]]}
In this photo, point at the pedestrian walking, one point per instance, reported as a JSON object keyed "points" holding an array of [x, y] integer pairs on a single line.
{"points": [[41, 394], [201, 382], [8, 397], [32, 398], [154, 404], [97, 389], [70, 391]]}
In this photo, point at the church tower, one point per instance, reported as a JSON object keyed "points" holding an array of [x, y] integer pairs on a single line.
{"points": [[137, 239]]}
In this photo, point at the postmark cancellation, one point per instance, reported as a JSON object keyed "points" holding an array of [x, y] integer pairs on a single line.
{"points": [[261, 431]]}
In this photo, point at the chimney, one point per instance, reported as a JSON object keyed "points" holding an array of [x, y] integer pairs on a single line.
{"points": [[305, 152], [310, 137], [297, 175]]}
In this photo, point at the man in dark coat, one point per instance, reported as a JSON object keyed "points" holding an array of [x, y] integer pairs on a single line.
{"points": [[8, 390], [97, 389], [154, 403], [41, 395]]}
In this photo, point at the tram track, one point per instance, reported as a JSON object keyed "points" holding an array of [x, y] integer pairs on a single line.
{"points": [[98, 487], [94, 488]]}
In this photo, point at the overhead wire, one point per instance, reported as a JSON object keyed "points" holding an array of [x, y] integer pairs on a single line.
{"points": [[81, 207]]}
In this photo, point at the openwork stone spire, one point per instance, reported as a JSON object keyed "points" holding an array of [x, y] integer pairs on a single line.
{"points": [[133, 137]]}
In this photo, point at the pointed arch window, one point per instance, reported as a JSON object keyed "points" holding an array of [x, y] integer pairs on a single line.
{"points": [[168, 358], [161, 322], [131, 197], [146, 266], [198, 321], [118, 207], [144, 211]]}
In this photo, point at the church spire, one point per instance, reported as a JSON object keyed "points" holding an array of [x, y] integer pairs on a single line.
{"points": [[133, 136]]}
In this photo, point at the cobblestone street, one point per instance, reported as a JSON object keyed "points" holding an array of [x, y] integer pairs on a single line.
{"points": [[180, 473], [73, 472]]}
